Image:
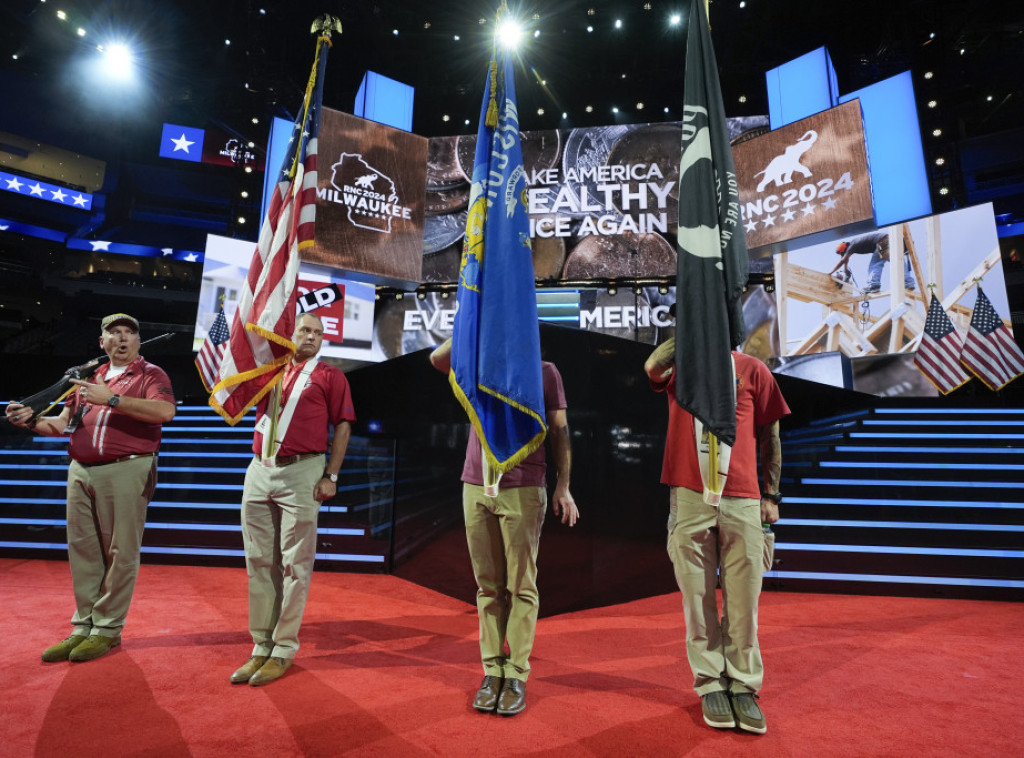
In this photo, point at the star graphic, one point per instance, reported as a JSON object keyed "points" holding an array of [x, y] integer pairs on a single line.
{"points": [[79, 200], [751, 225], [36, 189], [100, 245], [808, 209], [58, 195], [14, 185], [829, 204], [167, 250], [181, 143], [191, 257], [769, 220], [788, 215]]}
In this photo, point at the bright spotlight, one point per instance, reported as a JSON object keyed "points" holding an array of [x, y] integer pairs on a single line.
{"points": [[118, 61], [509, 34], [675, 19]]}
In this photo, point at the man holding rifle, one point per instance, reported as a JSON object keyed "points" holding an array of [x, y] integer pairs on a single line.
{"points": [[114, 423]]}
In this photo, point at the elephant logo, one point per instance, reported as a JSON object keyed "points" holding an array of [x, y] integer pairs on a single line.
{"points": [[366, 182], [782, 167]]}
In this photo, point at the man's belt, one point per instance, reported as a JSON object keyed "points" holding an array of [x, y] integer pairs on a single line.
{"points": [[131, 457], [288, 460]]}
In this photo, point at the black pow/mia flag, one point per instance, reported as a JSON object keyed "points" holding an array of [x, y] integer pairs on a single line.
{"points": [[713, 265]]}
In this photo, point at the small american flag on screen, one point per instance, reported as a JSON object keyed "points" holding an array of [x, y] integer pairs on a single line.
{"points": [[209, 357], [938, 356], [989, 349]]}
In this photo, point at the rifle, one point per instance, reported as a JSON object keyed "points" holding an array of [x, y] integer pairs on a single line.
{"points": [[57, 391]]}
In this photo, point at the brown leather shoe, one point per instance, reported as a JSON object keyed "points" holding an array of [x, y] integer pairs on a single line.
{"points": [[62, 649], [95, 646], [486, 699], [249, 668], [273, 669], [512, 699]]}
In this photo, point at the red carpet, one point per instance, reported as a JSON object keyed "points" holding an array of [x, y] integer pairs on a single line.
{"points": [[387, 668]]}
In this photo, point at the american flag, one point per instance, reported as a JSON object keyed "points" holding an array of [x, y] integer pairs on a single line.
{"points": [[261, 331], [989, 349], [209, 357], [938, 356]]}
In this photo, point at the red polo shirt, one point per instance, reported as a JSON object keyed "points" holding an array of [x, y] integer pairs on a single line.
{"points": [[759, 402], [107, 433], [325, 400], [532, 472]]}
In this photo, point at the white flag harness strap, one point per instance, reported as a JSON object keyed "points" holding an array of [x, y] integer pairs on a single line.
{"points": [[713, 456], [285, 420]]}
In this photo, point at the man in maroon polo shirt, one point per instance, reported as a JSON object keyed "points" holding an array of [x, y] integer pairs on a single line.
{"points": [[503, 535], [114, 421], [281, 500]]}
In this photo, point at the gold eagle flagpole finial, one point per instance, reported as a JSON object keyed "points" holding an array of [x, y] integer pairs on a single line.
{"points": [[325, 25]]}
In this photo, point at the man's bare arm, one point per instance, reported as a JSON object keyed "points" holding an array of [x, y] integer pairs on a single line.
{"points": [[441, 358], [662, 362], [561, 451], [771, 468]]}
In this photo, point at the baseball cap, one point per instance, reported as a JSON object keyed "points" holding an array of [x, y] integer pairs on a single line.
{"points": [[119, 318]]}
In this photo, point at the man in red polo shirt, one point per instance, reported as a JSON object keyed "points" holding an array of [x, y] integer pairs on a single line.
{"points": [[114, 421], [717, 536], [281, 500]]}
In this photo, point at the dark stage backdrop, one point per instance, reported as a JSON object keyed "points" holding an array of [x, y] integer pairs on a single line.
{"points": [[616, 552]]}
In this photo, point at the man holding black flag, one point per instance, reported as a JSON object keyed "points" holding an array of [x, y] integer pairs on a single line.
{"points": [[716, 513], [721, 403], [114, 423]]}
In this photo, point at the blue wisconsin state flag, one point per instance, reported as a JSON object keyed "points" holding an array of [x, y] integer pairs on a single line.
{"points": [[496, 372]]}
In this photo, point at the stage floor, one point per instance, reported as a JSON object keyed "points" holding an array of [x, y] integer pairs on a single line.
{"points": [[388, 668]]}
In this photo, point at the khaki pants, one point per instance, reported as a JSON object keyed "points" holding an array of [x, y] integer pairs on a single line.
{"points": [[706, 544], [106, 516], [504, 535], [279, 515]]}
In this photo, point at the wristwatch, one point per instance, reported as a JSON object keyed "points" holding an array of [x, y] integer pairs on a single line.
{"points": [[775, 497], [332, 477], [113, 400]]}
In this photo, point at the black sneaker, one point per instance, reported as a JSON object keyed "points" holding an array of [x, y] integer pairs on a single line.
{"points": [[717, 711], [748, 713], [871, 288]]}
